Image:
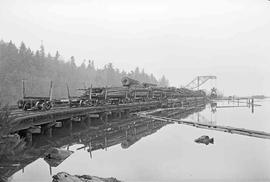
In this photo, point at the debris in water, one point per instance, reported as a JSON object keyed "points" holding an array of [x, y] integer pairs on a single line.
{"points": [[65, 177], [204, 139]]}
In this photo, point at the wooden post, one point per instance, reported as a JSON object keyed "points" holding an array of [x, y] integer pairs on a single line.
{"points": [[49, 132], [51, 90], [70, 126], [106, 93], [50, 168], [252, 105], [69, 99], [89, 121], [135, 130], [43, 129], [127, 112], [23, 89], [90, 148], [106, 118], [90, 93], [106, 142], [29, 138]]}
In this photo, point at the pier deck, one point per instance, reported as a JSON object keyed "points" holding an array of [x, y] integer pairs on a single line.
{"points": [[21, 120]]}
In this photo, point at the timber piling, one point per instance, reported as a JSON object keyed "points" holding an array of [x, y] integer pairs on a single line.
{"points": [[45, 122]]}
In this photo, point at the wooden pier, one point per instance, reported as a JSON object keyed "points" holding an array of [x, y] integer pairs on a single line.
{"points": [[28, 121]]}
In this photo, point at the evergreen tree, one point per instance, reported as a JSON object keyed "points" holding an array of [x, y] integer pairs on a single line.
{"points": [[22, 50], [57, 55], [163, 82], [38, 70], [42, 51]]}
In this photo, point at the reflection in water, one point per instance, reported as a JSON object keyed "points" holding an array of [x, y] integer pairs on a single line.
{"points": [[207, 125], [54, 150], [213, 106], [57, 156]]}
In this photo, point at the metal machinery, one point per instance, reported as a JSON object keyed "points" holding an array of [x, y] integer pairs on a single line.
{"points": [[198, 81], [35, 103], [213, 94]]}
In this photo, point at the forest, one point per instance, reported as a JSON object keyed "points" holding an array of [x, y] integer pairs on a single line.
{"points": [[38, 68]]}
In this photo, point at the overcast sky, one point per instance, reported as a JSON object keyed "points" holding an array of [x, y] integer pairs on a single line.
{"points": [[178, 38]]}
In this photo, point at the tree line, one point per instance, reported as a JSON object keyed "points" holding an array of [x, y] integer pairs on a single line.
{"points": [[38, 68]]}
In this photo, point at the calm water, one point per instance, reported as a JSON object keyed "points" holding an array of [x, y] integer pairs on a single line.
{"points": [[170, 154]]}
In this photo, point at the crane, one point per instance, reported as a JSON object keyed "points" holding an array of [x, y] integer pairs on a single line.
{"points": [[198, 81]]}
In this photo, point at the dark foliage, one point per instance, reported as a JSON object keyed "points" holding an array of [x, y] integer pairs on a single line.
{"points": [[4, 120], [39, 68]]}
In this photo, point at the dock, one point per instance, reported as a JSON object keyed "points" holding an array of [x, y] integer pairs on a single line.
{"points": [[27, 122]]}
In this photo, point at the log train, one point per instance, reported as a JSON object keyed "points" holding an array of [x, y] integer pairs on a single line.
{"points": [[131, 91]]}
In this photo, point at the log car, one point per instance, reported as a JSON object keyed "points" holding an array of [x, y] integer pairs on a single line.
{"points": [[35, 103]]}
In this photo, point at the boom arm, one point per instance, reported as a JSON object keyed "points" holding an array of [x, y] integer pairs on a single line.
{"points": [[198, 81]]}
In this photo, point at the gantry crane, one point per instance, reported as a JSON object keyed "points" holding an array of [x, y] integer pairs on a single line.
{"points": [[198, 81]]}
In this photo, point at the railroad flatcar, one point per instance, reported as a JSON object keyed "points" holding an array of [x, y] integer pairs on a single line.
{"points": [[131, 91], [35, 103]]}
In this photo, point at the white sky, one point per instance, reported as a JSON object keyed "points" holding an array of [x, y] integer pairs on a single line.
{"points": [[178, 38]]}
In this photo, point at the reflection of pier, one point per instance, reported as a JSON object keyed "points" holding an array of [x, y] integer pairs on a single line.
{"points": [[228, 129], [199, 118], [237, 102], [126, 131]]}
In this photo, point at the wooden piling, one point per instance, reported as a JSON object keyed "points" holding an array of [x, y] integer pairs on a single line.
{"points": [[119, 115], [29, 138], [70, 126], [88, 121], [252, 105], [50, 132], [105, 118]]}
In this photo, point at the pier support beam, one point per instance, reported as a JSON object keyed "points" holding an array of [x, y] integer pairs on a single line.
{"points": [[119, 114], [88, 121], [29, 138], [70, 126], [50, 132], [252, 105], [105, 118], [127, 112]]}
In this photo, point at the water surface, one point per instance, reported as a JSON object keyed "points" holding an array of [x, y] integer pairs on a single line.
{"points": [[170, 154]]}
